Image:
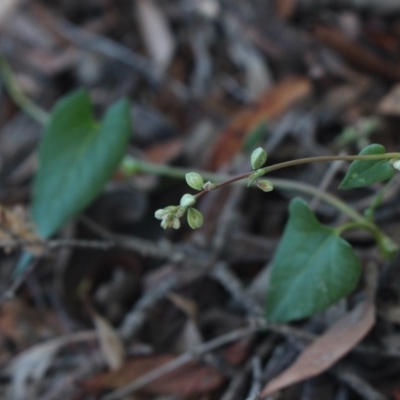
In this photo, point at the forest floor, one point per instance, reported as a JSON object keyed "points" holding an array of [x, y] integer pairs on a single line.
{"points": [[118, 308]]}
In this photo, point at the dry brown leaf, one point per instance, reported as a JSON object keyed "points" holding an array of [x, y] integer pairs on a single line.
{"points": [[193, 378], [156, 33], [327, 349], [15, 229], [269, 106], [110, 344]]}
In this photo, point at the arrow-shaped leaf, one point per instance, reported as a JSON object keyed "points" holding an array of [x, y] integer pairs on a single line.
{"points": [[77, 157], [313, 268]]}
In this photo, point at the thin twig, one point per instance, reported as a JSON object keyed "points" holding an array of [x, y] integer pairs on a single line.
{"points": [[144, 247], [55, 244]]}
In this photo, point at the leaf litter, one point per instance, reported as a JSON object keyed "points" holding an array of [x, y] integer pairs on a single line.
{"points": [[205, 78]]}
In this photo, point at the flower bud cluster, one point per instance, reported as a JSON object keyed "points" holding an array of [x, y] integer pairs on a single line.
{"points": [[170, 216]]}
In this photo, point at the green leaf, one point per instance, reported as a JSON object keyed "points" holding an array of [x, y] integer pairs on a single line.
{"points": [[313, 268], [364, 173], [76, 158]]}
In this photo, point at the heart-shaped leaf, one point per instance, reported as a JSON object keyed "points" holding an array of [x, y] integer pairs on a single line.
{"points": [[363, 173], [76, 158], [313, 268]]}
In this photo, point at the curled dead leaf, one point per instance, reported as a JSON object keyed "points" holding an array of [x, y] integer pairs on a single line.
{"points": [[327, 349]]}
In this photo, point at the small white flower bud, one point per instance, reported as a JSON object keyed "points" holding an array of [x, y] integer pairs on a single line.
{"points": [[165, 223], [159, 214], [194, 180], [258, 158]]}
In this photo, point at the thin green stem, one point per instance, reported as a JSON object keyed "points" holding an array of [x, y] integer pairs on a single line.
{"points": [[386, 245], [18, 96], [284, 184], [308, 160], [346, 227], [226, 180]]}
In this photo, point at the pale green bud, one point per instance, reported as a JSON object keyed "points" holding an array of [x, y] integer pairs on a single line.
{"points": [[258, 158], [187, 200], [195, 218], [265, 186], [208, 186], [194, 180]]}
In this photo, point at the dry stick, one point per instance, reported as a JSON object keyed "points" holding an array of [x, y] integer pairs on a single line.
{"points": [[55, 244], [142, 246], [181, 361]]}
